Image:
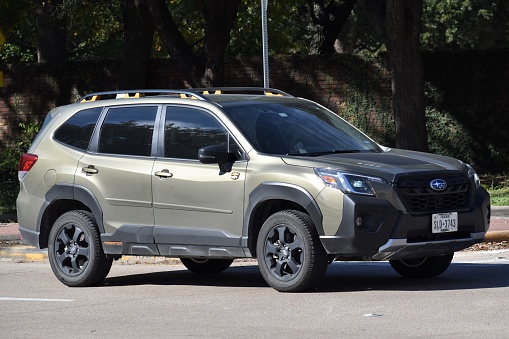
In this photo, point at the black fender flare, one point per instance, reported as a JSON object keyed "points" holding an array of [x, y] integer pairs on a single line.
{"points": [[283, 191], [73, 192]]}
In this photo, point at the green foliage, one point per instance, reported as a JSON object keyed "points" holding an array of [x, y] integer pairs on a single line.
{"points": [[498, 187], [94, 30], [446, 135], [288, 26], [466, 106], [19, 31], [9, 191], [499, 196], [465, 24], [367, 96], [9, 156], [446, 25]]}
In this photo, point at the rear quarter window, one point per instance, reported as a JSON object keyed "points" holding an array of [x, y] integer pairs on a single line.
{"points": [[77, 131]]}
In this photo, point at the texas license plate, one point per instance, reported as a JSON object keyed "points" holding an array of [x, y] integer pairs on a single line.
{"points": [[444, 222]]}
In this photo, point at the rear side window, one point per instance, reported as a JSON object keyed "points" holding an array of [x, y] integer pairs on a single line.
{"points": [[128, 131], [77, 131]]}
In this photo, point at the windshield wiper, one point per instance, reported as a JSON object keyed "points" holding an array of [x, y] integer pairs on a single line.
{"points": [[317, 154]]}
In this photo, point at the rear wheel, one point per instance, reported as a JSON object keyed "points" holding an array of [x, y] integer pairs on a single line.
{"points": [[75, 252], [426, 267], [290, 255], [206, 266]]}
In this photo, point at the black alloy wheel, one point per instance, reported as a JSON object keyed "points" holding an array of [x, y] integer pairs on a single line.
{"points": [[290, 254], [75, 252]]}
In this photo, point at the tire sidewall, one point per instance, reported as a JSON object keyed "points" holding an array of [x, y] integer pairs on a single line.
{"points": [[86, 223], [300, 224]]}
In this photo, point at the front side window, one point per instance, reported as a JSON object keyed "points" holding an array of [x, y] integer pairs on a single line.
{"points": [[128, 131], [188, 129], [77, 131]]}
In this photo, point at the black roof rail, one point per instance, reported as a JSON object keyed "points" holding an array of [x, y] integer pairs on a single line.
{"points": [[140, 93], [239, 90]]}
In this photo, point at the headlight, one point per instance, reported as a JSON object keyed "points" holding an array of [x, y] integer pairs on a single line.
{"points": [[348, 182], [473, 175]]}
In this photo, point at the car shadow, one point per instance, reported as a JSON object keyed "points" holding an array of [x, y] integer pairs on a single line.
{"points": [[235, 276], [379, 276], [340, 277]]}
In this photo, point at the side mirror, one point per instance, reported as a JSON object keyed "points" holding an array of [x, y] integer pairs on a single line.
{"points": [[213, 154]]}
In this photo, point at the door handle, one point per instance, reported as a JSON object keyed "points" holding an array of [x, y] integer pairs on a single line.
{"points": [[90, 169], [163, 174]]}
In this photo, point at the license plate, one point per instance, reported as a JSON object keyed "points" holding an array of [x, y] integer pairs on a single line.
{"points": [[444, 222]]}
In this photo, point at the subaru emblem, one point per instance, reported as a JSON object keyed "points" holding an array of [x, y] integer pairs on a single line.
{"points": [[438, 185]]}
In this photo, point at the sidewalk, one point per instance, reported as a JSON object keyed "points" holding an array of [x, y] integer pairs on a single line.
{"points": [[11, 248], [499, 225]]}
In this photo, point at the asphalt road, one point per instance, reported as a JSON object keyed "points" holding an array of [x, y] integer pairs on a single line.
{"points": [[357, 300]]}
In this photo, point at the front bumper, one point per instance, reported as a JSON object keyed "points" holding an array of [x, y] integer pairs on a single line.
{"points": [[372, 228]]}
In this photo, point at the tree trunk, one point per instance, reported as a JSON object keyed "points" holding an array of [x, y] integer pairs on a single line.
{"points": [[51, 31], [398, 24], [328, 21], [219, 17], [403, 24], [138, 35], [175, 44]]}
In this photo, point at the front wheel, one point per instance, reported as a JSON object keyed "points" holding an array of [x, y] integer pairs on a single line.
{"points": [[75, 252], [290, 254], [426, 267], [206, 266]]}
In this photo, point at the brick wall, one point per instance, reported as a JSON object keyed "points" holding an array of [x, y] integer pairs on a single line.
{"points": [[466, 94]]}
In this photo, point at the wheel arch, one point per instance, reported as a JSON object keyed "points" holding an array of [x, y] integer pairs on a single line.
{"points": [[271, 197], [62, 198]]}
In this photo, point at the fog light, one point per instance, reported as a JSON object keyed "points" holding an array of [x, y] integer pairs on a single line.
{"points": [[359, 221]]}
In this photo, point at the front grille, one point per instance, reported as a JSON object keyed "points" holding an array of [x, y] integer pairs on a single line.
{"points": [[419, 197]]}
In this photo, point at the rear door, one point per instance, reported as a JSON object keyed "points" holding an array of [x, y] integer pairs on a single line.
{"points": [[118, 167]]}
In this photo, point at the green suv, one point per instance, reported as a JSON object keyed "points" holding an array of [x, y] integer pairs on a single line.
{"points": [[211, 175]]}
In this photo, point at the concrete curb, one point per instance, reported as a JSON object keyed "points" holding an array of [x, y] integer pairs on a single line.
{"points": [[22, 253], [500, 211], [496, 236]]}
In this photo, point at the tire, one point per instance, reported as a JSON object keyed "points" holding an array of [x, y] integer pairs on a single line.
{"points": [[75, 252], [426, 267], [206, 266], [289, 252]]}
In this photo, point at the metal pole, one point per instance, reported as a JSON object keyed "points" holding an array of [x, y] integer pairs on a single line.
{"points": [[265, 42]]}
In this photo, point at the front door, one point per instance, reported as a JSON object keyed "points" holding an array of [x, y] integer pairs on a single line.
{"points": [[193, 202]]}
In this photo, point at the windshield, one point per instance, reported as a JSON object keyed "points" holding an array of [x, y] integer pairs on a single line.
{"points": [[297, 128]]}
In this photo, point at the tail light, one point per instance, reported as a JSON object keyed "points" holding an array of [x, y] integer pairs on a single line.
{"points": [[26, 162]]}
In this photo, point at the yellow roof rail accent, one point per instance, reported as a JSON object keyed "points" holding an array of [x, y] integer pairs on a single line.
{"points": [[188, 96], [129, 95], [93, 98], [269, 93]]}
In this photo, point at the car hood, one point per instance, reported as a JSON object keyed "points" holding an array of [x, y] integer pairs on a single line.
{"points": [[387, 165]]}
